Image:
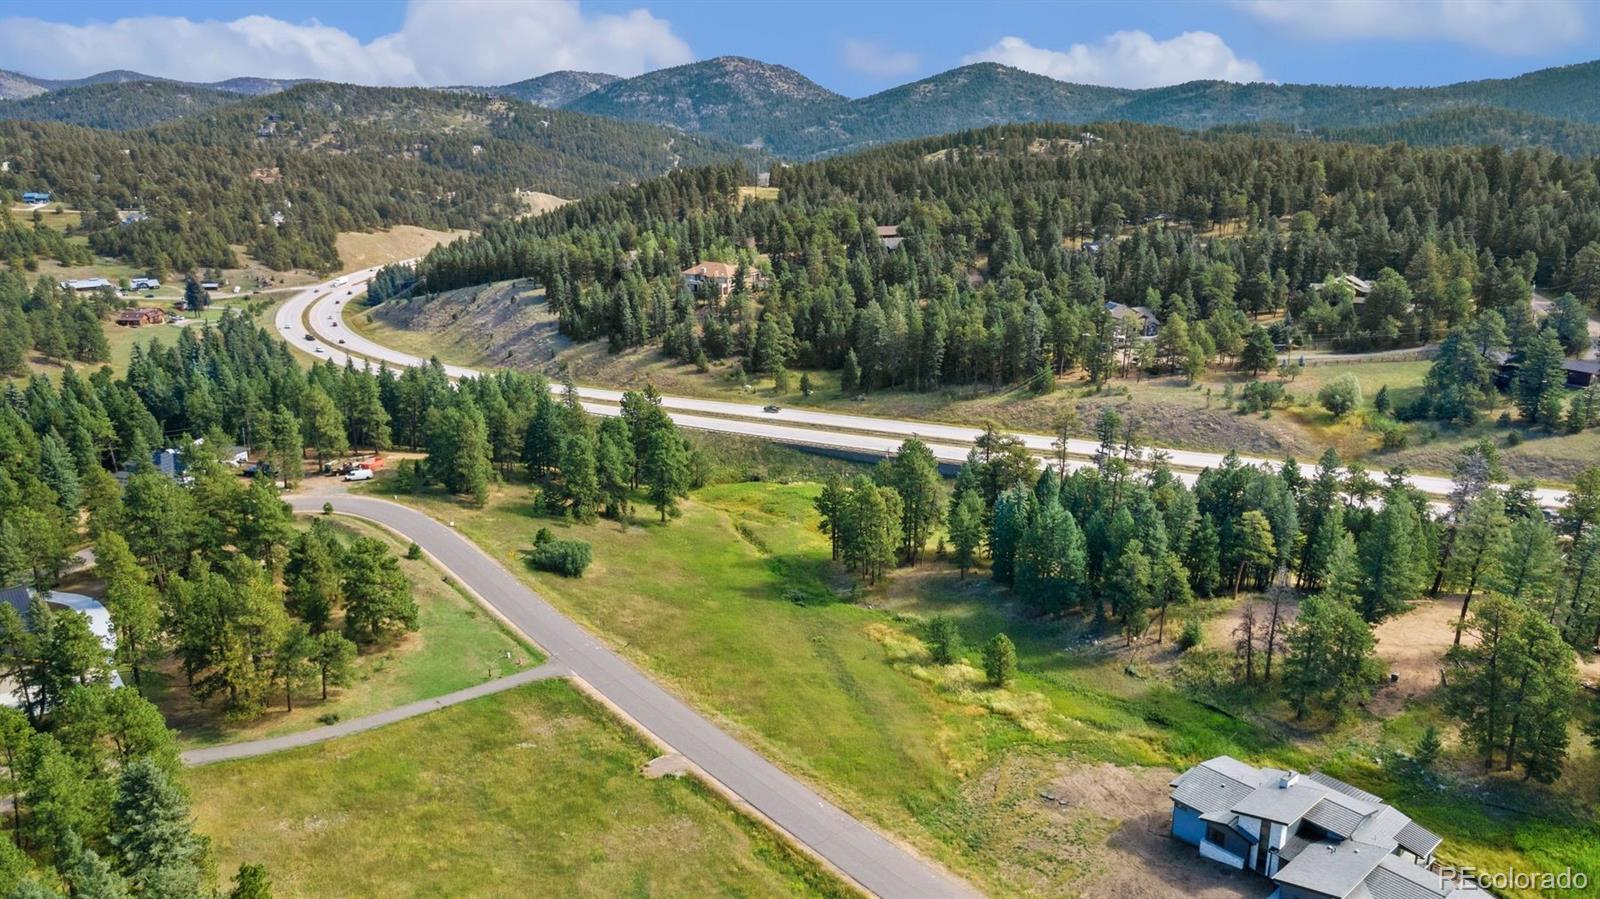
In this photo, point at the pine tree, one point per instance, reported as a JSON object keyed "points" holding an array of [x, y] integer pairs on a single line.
{"points": [[665, 469], [1540, 379], [1529, 563], [966, 529], [153, 834], [1476, 554], [1051, 557], [333, 655], [1000, 661], [832, 504], [311, 577], [850, 376], [1329, 658], [132, 600], [377, 594], [944, 640], [251, 882], [913, 473], [1392, 570], [1256, 547]]}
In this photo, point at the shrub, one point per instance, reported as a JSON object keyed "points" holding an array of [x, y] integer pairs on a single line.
{"points": [[1395, 438], [1341, 395], [567, 558], [543, 536], [1263, 396], [327, 508], [413, 552], [1192, 635]]}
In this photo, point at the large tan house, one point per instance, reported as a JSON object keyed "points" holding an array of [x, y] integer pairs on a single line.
{"points": [[719, 275]]}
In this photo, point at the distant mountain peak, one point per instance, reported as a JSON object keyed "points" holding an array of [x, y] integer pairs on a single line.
{"points": [[554, 89]]}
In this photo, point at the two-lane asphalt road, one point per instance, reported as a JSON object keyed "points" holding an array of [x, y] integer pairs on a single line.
{"points": [[874, 862], [311, 321]]}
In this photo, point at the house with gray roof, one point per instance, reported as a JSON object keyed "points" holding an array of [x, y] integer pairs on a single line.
{"points": [[1313, 836], [1133, 322]]}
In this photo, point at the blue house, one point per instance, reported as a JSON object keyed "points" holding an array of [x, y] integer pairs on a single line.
{"points": [[36, 196], [1311, 836]]}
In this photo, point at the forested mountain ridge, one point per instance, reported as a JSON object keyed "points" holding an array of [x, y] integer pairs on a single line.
{"points": [[15, 85], [118, 106], [738, 99], [1015, 238], [553, 90], [283, 174], [1479, 125], [779, 110]]}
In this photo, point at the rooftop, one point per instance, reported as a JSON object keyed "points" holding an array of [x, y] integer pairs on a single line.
{"points": [[1362, 830]]}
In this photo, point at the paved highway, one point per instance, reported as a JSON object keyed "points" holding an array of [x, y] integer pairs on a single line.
{"points": [[321, 308], [874, 862]]}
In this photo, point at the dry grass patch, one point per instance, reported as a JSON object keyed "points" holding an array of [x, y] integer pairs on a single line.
{"points": [[362, 249]]}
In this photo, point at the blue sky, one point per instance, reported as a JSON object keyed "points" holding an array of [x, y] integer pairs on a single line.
{"points": [[851, 47]]}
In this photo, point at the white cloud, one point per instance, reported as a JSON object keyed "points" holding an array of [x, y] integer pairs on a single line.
{"points": [[874, 60], [1499, 26], [1128, 59], [441, 42]]}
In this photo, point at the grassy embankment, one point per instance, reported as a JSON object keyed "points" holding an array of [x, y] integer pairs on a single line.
{"points": [[536, 791], [738, 607], [457, 644]]}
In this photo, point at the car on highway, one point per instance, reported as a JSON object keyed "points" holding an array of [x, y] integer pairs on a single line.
{"points": [[308, 336], [771, 408], [341, 341], [321, 350]]}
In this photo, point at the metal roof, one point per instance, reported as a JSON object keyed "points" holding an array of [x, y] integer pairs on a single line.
{"points": [[1285, 805], [1335, 818], [1334, 869], [1398, 879], [1334, 783], [1418, 839]]}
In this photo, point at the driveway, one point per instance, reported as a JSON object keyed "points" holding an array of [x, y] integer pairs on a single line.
{"points": [[874, 862]]}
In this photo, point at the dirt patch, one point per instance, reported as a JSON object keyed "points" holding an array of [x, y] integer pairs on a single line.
{"points": [[1219, 630], [536, 202], [1093, 830], [1412, 645]]}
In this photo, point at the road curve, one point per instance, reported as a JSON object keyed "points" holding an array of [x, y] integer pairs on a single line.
{"points": [[321, 307], [877, 864]]}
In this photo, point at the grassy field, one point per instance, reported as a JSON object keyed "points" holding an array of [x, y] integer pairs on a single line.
{"points": [[737, 606], [362, 249], [536, 791], [457, 644]]}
